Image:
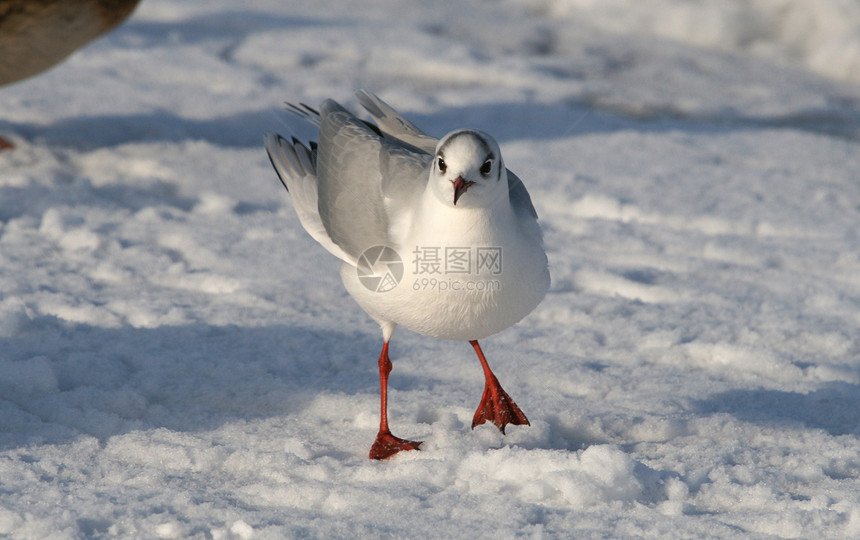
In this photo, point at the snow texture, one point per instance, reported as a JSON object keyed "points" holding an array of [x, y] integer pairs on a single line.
{"points": [[178, 359]]}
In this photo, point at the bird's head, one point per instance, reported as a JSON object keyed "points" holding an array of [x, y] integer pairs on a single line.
{"points": [[467, 170]]}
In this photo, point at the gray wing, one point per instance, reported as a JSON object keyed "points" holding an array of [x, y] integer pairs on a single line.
{"points": [[295, 165], [520, 198], [360, 178], [395, 127]]}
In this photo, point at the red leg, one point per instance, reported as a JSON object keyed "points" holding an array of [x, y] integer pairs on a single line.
{"points": [[5, 144], [496, 405], [386, 444]]}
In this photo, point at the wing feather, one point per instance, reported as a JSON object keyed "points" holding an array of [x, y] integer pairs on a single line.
{"points": [[348, 187], [301, 181], [394, 126], [358, 173]]}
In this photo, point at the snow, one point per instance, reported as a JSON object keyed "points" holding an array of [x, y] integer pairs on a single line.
{"points": [[821, 36], [178, 359]]}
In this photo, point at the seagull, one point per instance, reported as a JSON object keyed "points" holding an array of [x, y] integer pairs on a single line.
{"points": [[35, 35], [435, 235]]}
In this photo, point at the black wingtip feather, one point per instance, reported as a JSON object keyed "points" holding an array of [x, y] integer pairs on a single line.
{"points": [[374, 128], [309, 108], [272, 161], [304, 112]]}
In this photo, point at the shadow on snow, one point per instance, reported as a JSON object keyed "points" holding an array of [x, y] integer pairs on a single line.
{"points": [[59, 380], [832, 408]]}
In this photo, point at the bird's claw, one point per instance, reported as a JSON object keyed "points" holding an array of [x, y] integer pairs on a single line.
{"points": [[386, 445], [498, 407]]}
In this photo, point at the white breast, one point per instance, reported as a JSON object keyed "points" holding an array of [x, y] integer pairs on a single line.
{"points": [[466, 273]]}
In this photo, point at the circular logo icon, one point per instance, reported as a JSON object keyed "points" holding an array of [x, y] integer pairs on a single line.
{"points": [[379, 268]]}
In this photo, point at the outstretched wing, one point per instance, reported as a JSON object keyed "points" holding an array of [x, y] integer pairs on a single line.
{"points": [[295, 165], [394, 126], [361, 177], [348, 188]]}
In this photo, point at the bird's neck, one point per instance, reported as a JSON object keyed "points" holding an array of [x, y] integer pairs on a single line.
{"points": [[438, 222]]}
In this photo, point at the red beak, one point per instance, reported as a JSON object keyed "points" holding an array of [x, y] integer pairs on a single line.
{"points": [[460, 187]]}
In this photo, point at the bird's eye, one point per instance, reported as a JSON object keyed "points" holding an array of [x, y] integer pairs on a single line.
{"points": [[441, 164], [486, 167]]}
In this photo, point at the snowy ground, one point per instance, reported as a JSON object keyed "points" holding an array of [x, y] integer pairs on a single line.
{"points": [[179, 359]]}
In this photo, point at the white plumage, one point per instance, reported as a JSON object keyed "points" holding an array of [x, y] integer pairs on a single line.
{"points": [[435, 235]]}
